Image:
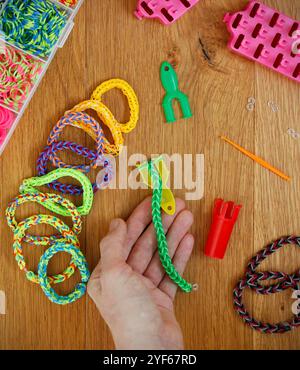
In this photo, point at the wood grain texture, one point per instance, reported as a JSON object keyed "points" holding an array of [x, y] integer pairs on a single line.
{"points": [[108, 42]]}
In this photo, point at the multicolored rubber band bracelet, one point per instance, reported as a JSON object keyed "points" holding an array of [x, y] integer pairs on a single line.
{"points": [[131, 98], [62, 228], [86, 153], [29, 186], [253, 278], [41, 199], [108, 119], [70, 119], [79, 261]]}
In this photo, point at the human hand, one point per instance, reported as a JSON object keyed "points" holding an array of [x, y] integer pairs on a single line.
{"points": [[130, 287]]}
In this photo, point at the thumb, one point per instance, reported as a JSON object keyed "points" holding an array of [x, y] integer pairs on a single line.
{"points": [[113, 245]]}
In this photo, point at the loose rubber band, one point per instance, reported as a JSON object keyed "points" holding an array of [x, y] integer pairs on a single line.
{"points": [[6, 118], [29, 186], [33, 25], [79, 261], [18, 74], [131, 98], [41, 199], [70, 3], [64, 230]]}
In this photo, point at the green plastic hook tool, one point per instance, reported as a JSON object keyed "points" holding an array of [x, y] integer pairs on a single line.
{"points": [[169, 81]]}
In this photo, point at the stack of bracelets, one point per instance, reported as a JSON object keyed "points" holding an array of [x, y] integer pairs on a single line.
{"points": [[252, 279], [34, 26], [66, 240]]}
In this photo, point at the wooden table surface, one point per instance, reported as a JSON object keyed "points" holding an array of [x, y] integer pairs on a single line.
{"points": [[108, 42]]}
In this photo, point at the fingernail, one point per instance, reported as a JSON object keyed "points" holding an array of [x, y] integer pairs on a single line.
{"points": [[114, 225]]}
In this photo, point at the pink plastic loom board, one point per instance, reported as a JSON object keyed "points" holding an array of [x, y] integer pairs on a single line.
{"points": [[167, 11], [264, 35]]}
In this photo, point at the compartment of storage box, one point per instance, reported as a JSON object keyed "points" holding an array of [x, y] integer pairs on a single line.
{"points": [[27, 51]]}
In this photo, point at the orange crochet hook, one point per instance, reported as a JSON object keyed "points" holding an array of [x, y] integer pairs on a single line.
{"points": [[257, 159]]}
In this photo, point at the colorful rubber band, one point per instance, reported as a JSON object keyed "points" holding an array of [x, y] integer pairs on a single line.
{"points": [[131, 98], [6, 118], [62, 228], [79, 261], [70, 3], [18, 74], [33, 25], [29, 186], [41, 199], [3, 134]]}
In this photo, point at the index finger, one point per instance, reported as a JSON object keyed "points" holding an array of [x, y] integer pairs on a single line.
{"points": [[137, 222]]}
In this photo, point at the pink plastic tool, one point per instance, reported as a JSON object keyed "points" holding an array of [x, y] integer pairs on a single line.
{"points": [[264, 35], [167, 11]]}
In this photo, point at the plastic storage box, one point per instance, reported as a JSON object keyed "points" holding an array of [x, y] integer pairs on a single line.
{"points": [[30, 33]]}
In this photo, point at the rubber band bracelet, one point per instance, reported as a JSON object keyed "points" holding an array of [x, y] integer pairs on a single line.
{"points": [[131, 98], [80, 263], [41, 199], [29, 185], [70, 119], [252, 280], [163, 250], [63, 229], [86, 153], [108, 119]]}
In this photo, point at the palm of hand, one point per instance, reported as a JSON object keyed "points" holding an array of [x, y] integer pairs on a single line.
{"points": [[129, 286]]}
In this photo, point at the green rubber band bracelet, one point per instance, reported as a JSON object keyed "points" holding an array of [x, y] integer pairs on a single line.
{"points": [[67, 236], [163, 249], [79, 261], [29, 186]]}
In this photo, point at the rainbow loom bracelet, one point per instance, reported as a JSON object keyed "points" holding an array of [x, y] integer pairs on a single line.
{"points": [[28, 186], [253, 278], [79, 261], [41, 199], [163, 250], [108, 119], [70, 119], [86, 153], [63, 229], [33, 25], [131, 98]]}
